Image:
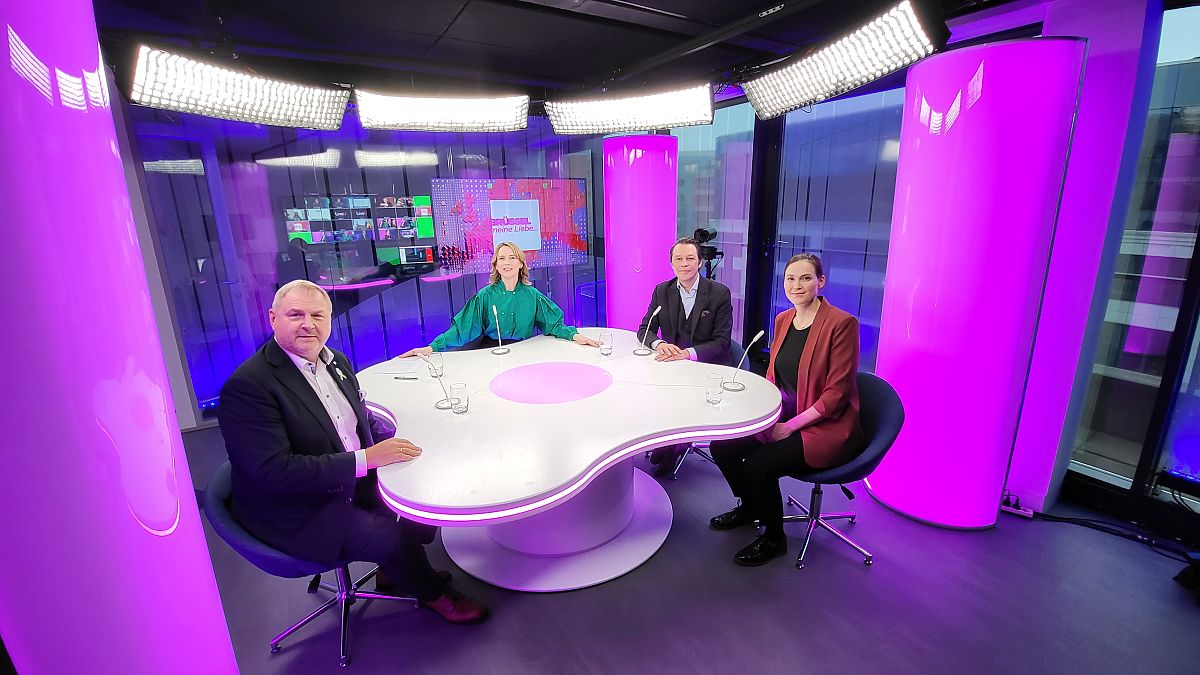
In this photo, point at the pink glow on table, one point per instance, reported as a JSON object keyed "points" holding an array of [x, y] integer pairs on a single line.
{"points": [[447, 276], [358, 286], [551, 382]]}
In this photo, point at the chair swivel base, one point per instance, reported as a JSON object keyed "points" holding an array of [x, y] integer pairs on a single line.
{"points": [[815, 518], [700, 448], [345, 595]]}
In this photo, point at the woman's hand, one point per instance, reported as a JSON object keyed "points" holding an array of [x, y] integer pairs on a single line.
{"points": [[417, 351], [778, 432], [585, 340]]}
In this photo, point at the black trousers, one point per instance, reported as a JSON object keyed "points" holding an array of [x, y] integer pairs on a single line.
{"points": [[753, 470], [398, 546]]}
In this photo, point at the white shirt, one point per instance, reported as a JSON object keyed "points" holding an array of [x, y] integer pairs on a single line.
{"points": [[688, 298], [341, 413]]}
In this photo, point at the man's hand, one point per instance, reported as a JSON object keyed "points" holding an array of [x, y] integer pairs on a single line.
{"points": [[391, 451], [417, 351], [669, 352], [585, 340]]}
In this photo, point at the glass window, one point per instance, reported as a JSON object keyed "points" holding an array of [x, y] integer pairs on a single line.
{"points": [[1144, 298], [714, 194], [397, 226], [837, 180]]}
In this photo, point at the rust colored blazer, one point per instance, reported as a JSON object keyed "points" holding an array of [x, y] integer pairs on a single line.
{"points": [[826, 380]]}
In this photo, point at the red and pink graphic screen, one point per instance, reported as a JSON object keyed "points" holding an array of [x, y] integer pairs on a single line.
{"points": [[547, 217]]}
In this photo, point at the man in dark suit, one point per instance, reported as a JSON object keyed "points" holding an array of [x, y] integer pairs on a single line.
{"points": [[695, 323], [304, 454]]}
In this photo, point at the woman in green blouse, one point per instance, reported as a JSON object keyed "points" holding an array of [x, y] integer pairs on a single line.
{"points": [[521, 308]]}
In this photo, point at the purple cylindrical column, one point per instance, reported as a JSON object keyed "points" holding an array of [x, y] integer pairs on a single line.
{"points": [[983, 152], [103, 563], [641, 181]]}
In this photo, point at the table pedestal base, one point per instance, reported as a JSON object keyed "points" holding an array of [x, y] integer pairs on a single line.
{"points": [[478, 551]]}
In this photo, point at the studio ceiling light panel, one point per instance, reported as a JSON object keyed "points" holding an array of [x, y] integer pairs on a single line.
{"points": [[330, 159], [174, 82], [194, 167], [385, 158], [423, 113], [682, 108], [890, 42]]}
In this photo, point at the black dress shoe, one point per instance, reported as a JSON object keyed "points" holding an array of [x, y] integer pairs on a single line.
{"points": [[729, 520], [761, 551]]}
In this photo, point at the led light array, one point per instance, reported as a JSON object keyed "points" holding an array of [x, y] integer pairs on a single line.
{"points": [[187, 166], [380, 111], [682, 108], [173, 82], [884, 45], [330, 159], [384, 158]]}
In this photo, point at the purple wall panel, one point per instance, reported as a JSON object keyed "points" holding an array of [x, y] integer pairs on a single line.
{"points": [[104, 568]]}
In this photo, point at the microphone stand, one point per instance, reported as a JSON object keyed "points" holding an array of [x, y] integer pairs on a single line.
{"points": [[643, 350], [445, 403], [500, 350], [733, 384]]}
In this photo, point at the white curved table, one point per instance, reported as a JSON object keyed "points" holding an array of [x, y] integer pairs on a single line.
{"points": [[539, 495]]}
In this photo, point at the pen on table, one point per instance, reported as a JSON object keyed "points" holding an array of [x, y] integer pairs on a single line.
{"points": [[404, 377]]}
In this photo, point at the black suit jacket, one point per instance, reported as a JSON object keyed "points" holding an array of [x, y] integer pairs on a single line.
{"points": [[710, 326], [293, 483]]}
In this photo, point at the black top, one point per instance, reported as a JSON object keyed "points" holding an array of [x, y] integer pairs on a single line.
{"points": [[787, 366]]}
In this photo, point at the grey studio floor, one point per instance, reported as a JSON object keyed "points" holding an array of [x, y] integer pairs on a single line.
{"points": [[1024, 597]]}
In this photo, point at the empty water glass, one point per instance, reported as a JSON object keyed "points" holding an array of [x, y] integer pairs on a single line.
{"points": [[712, 389], [458, 398], [435, 364], [606, 343]]}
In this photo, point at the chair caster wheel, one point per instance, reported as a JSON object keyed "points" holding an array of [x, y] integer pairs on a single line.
{"points": [[344, 661], [274, 648], [868, 561], [853, 520], [799, 565]]}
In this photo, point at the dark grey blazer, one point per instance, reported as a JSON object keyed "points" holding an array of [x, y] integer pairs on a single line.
{"points": [[709, 327]]}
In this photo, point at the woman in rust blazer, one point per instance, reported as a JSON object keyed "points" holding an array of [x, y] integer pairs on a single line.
{"points": [[814, 362]]}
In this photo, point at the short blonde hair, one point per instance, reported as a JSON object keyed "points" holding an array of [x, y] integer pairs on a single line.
{"points": [[308, 286], [522, 276]]}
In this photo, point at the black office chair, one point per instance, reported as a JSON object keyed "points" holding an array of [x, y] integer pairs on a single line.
{"points": [[881, 416], [280, 564], [702, 447]]}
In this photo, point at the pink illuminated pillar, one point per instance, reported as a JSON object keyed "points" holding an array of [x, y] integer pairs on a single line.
{"points": [[641, 180], [983, 152], [103, 564]]}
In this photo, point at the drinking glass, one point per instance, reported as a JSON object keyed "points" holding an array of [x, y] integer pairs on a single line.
{"points": [[712, 389], [435, 364], [458, 398], [606, 343]]}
